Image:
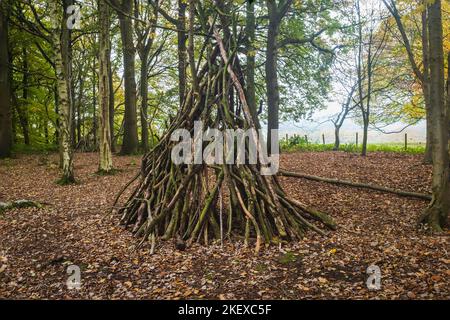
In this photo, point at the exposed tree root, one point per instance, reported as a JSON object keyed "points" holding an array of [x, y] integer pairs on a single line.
{"points": [[355, 184]]}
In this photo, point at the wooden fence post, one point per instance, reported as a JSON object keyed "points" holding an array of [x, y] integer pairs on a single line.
{"points": [[323, 138], [357, 139]]}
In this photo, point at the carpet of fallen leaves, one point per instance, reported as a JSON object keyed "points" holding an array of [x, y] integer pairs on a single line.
{"points": [[37, 245]]}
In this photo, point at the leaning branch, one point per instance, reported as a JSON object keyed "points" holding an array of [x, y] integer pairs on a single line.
{"points": [[285, 173]]}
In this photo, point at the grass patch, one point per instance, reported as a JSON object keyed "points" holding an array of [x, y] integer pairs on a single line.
{"points": [[298, 143], [288, 257]]}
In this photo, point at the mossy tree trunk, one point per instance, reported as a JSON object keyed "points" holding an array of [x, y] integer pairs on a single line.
{"points": [[6, 134], [105, 161], [64, 112], [437, 213]]}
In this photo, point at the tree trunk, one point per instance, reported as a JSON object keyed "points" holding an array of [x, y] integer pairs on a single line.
{"points": [[66, 49], [273, 95], [181, 26], [63, 96], [111, 100], [365, 138], [437, 213], [5, 85], [337, 141], [105, 162], [46, 130], [426, 88], [191, 48], [144, 99], [448, 99], [130, 136], [73, 117], [94, 105], [22, 108], [251, 52], [79, 102]]}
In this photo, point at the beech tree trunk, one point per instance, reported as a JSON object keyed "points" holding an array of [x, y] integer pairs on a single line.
{"points": [[181, 26], [437, 213], [79, 103], [22, 105], [5, 85], [63, 96], [111, 100], [94, 105], [448, 99], [144, 100], [105, 161], [251, 52], [130, 136], [66, 49], [273, 94], [426, 88]]}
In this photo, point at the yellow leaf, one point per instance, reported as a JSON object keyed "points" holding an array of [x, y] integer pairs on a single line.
{"points": [[322, 280]]}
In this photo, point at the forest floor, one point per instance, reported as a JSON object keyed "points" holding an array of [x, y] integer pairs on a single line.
{"points": [[37, 245]]}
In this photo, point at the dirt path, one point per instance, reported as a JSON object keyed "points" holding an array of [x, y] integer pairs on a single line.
{"points": [[37, 245]]}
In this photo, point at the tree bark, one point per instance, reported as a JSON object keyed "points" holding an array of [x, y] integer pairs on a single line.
{"points": [[426, 88], [448, 99], [146, 36], [273, 94], [22, 105], [105, 161], [181, 26], [337, 141], [130, 136], [191, 48], [437, 213], [111, 100], [5, 85], [250, 54], [66, 49], [365, 138], [94, 105], [79, 103], [63, 96], [144, 100]]}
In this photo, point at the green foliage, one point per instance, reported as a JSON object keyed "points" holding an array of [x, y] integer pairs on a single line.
{"points": [[299, 143], [35, 148]]}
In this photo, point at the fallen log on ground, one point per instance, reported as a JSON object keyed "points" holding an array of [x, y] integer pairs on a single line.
{"points": [[19, 204], [355, 184]]}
